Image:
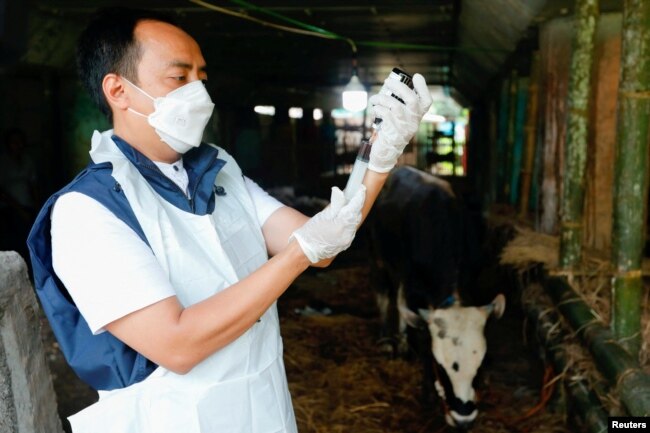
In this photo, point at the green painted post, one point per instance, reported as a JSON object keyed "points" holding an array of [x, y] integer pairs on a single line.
{"points": [[528, 166], [518, 145], [631, 175], [502, 138], [575, 151], [510, 140]]}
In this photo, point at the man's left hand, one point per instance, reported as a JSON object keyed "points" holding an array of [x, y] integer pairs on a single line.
{"points": [[400, 121]]}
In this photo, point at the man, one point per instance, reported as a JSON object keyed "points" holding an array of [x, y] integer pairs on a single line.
{"points": [[153, 264]]}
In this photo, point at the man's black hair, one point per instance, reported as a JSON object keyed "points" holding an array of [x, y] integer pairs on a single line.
{"points": [[108, 45]]}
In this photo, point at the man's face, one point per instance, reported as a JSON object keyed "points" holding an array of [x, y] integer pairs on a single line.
{"points": [[170, 58]]}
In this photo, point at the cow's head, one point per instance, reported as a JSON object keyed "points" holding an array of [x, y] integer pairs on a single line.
{"points": [[458, 346]]}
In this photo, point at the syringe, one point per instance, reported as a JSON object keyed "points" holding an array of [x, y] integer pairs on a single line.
{"points": [[361, 162]]}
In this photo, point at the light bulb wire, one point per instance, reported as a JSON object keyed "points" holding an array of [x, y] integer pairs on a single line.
{"points": [[309, 31]]}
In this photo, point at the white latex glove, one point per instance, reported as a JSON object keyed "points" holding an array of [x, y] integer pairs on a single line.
{"points": [[331, 230], [399, 121]]}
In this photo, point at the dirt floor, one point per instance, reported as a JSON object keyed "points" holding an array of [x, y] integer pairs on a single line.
{"points": [[342, 382]]}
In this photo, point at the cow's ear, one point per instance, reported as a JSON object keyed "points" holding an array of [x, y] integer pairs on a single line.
{"points": [[411, 319], [426, 314], [497, 306]]}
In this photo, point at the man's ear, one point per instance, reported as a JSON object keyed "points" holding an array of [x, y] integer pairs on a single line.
{"points": [[113, 88]]}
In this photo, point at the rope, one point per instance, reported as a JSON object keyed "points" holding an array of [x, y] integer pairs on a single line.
{"points": [[546, 392], [571, 224], [628, 275], [579, 111], [548, 386], [624, 375], [445, 406], [644, 94]]}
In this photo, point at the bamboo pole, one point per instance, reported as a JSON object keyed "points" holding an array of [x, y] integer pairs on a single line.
{"points": [[575, 150], [631, 174], [586, 401], [531, 136], [617, 366]]}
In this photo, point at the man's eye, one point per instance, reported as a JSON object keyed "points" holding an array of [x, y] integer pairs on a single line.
{"points": [[180, 78]]}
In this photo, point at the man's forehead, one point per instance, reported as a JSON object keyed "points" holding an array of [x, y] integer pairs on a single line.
{"points": [[172, 43]]}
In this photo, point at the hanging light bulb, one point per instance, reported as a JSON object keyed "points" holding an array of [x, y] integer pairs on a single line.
{"points": [[355, 97]]}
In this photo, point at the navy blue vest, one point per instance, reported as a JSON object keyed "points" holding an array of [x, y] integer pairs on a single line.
{"points": [[103, 361]]}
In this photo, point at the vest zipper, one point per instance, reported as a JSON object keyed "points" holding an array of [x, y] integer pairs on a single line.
{"points": [[156, 170]]}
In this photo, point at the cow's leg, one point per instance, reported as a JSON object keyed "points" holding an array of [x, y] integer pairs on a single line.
{"points": [[384, 293], [423, 348], [385, 334], [416, 335], [404, 321]]}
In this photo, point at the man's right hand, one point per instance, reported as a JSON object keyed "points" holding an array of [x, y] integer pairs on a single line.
{"points": [[332, 230]]}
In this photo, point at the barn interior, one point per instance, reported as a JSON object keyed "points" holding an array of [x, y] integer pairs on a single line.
{"points": [[539, 123]]}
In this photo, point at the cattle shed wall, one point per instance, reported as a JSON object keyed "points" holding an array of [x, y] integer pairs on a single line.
{"points": [[555, 46], [27, 399]]}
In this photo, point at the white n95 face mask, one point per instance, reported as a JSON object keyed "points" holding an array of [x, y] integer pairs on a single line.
{"points": [[180, 117]]}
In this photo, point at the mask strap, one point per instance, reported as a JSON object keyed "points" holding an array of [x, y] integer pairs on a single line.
{"points": [[139, 89], [137, 112]]}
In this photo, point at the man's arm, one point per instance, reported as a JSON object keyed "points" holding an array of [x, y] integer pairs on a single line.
{"points": [[283, 222], [179, 338]]}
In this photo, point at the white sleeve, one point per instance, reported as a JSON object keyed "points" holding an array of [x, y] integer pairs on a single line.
{"points": [[105, 266], [264, 203]]}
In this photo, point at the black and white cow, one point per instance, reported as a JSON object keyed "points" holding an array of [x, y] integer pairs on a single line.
{"points": [[418, 267]]}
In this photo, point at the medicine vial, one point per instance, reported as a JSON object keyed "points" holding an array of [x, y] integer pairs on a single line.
{"points": [[361, 162]]}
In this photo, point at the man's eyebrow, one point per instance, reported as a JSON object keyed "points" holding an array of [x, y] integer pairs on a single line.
{"points": [[185, 65]]}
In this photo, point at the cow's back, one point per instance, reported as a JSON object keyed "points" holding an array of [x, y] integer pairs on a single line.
{"points": [[415, 234]]}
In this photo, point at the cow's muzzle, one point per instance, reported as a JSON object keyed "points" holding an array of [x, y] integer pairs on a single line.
{"points": [[462, 422]]}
